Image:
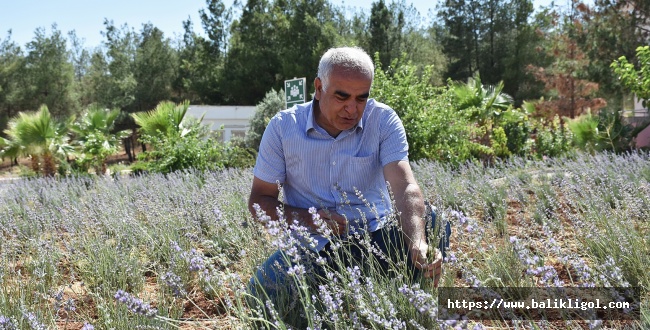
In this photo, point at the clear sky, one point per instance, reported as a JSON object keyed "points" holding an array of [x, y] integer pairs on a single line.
{"points": [[86, 17]]}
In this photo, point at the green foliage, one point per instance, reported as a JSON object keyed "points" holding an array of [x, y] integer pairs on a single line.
{"points": [[172, 152], [616, 134], [488, 107], [517, 127], [499, 143], [154, 68], [585, 132], [11, 77], [48, 75], [433, 129], [252, 47], [481, 102], [192, 148], [605, 132], [264, 111], [552, 139], [95, 139], [636, 81], [495, 39], [115, 79], [460, 122], [39, 136], [179, 143], [609, 34], [162, 121]]}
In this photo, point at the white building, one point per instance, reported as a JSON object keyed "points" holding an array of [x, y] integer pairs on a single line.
{"points": [[636, 114], [230, 120]]}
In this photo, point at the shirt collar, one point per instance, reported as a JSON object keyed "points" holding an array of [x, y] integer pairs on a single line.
{"points": [[311, 123]]}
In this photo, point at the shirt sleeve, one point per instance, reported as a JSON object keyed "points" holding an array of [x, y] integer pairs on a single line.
{"points": [[270, 164], [393, 145]]}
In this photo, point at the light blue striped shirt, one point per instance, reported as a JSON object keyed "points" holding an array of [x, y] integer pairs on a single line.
{"points": [[344, 174]]}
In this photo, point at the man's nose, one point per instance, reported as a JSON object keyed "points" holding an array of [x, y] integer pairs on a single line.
{"points": [[351, 106]]}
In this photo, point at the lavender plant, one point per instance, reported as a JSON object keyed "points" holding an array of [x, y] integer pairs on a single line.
{"points": [[186, 243]]}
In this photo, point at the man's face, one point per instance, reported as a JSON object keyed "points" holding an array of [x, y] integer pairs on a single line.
{"points": [[342, 104]]}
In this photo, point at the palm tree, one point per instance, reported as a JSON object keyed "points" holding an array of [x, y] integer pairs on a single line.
{"points": [[8, 149], [39, 136], [163, 120], [482, 104], [93, 133]]}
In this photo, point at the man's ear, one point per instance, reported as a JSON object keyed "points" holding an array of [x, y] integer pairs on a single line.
{"points": [[318, 88]]}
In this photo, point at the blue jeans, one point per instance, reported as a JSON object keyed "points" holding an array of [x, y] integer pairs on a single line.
{"points": [[272, 274]]}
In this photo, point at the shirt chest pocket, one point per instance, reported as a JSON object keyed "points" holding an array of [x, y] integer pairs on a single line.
{"points": [[360, 173]]}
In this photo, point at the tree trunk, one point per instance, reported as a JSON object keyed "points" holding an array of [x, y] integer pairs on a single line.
{"points": [[34, 164], [127, 148], [49, 166]]}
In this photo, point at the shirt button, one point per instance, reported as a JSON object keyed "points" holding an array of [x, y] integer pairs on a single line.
{"points": [[333, 163]]}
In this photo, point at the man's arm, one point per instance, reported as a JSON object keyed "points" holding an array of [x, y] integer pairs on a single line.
{"points": [[410, 207], [266, 194]]}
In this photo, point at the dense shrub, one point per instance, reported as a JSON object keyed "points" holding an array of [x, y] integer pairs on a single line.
{"points": [[606, 131], [264, 111], [196, 147], [444, 127], [552, 139], [433, 129], [517, 128]]}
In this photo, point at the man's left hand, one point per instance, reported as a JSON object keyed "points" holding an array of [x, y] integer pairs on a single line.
{"points": [[429, 269]]}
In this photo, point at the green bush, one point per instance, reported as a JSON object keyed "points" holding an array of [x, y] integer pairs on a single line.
{"points": [[552, 139], [585, 132], [615, 134], [517, 127], [264, 111], [433, 129], [196, 147]]}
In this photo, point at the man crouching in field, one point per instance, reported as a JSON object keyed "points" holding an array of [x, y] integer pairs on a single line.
{"points": [[336, 155]]}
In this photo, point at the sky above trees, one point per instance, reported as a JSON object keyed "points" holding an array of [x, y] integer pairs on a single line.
{"points": [[86, 18]]}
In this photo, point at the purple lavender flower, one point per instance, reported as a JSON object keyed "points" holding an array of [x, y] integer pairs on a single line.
{"points": [[423, 302], [274, 313], [33, 321], [7, 323], [332, 300], [69, 305], [595, 324], [296, 270], [451, 258], [175, 283], [217, 213], [87, 326], [196, 261], [175, 247], [134, 304], [462, 219]]}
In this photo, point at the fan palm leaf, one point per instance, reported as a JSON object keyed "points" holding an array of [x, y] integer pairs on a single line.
{"points": [[165, 118], [38, 135]]}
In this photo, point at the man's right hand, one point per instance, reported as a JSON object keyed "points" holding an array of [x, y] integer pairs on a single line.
{"points": [[335, 222]]}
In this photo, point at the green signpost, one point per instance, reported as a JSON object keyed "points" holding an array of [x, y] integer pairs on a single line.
{"points": [[295, 91]]}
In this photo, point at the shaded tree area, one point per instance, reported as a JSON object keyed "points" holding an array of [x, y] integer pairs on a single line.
{"points": [[236, 55], [495, 39], [566, 83]]}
